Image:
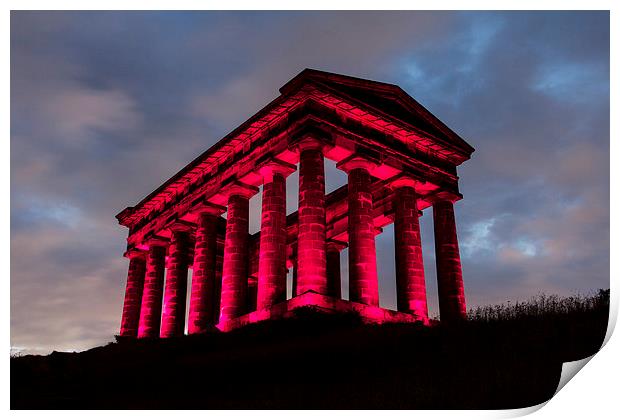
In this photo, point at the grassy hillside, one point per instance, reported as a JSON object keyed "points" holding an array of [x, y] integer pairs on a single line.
{"points": [[505, 356]]}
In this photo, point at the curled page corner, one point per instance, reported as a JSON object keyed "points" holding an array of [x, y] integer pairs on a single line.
{"points": [[519, 412], [569, 370]]}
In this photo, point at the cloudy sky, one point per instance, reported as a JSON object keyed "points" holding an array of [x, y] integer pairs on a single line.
{"points": [[106, 106]]}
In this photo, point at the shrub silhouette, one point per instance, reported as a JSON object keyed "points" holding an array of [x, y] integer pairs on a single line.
{"points": [[542, 306], [502, 356]]}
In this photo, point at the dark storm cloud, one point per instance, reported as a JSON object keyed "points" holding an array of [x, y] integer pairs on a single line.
{"points": [[106, 106]]}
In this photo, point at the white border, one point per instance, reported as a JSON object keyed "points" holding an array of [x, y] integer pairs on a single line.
{"points": [[591, 395]]}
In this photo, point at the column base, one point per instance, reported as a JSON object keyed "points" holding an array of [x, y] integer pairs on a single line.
{"points": [[325, 304]]}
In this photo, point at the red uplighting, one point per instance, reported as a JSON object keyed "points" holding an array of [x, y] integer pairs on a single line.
{"points": [[399, 158]]}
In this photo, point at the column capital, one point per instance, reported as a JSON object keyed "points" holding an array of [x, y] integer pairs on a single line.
{"points": [[202, 206], [358, 161], [450, 196], [270, 166], [310, 137], [230, 187], [135, 253], [180, 225], [156, 240], [239, 188], [401, 181], [336, 244]]}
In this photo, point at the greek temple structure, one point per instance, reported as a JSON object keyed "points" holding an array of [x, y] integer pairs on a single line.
{"points": [[399, 160]]}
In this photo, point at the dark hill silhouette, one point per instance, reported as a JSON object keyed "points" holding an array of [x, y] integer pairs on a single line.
{"points": [[506, 356]]}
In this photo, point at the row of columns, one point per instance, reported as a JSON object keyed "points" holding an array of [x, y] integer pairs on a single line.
{"points": [[317, 265]]}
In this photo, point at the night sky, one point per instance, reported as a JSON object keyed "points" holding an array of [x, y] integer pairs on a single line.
{"points": [[106, 106]]}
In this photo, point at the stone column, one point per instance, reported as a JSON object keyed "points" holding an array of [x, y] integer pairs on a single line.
{"points": [[175, 293], [410, 284], [235, 268], [294, 267], [272, 249], [363, 283], [133, 293], [203, 292], [449, 274], [219, 262], [311, 258], [253, 245], [334, 288], [150, 311]]}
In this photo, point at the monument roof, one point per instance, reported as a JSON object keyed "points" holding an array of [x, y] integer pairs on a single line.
{"points": [[386, 97], [380, 104]]}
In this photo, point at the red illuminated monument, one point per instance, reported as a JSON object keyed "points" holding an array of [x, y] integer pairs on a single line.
{"points": [[399, 158]]}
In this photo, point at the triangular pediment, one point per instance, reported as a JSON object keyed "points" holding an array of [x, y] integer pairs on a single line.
{"points": [[385, 97]]}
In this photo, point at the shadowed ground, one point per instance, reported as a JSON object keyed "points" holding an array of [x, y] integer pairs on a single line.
{"points": [[503, 357]]}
